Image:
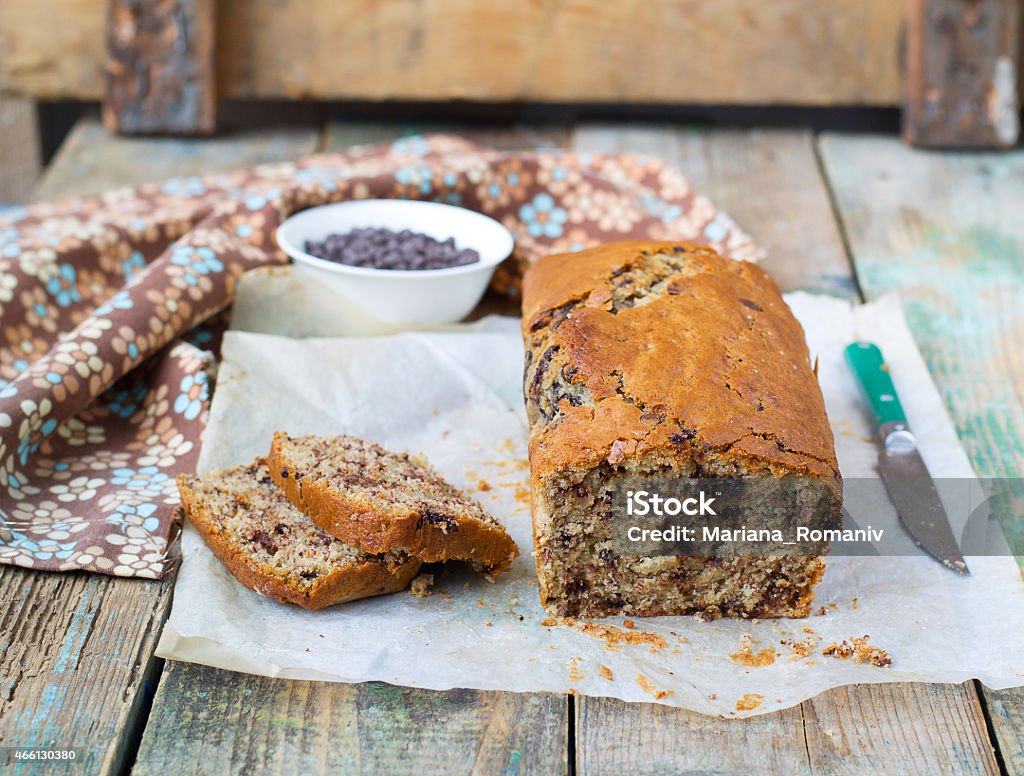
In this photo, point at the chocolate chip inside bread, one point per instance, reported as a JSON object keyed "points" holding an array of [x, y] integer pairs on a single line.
{"points": [[379, 500], [273, 548]]}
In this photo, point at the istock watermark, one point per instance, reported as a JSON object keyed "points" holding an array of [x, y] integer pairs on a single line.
{"points": [[759, 516]]}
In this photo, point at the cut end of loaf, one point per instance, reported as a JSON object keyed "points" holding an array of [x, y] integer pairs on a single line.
{"points": [[585, 571]]}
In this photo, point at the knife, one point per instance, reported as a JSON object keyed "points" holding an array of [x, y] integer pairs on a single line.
{"points": [[905, 476]]}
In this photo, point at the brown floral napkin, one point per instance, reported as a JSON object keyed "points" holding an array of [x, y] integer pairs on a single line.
{"points": [[103, 362]]}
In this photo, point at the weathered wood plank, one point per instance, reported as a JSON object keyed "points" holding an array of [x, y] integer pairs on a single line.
{"points": [[961, 68], [92, 159], [730, 51], [770, 182], [646, 739], [160, 68], [899, 728], [767, 180], [343, 134], [74, 655], [210, 721], [76, 649], [19, 148], [944, 230], [1006, 713]]}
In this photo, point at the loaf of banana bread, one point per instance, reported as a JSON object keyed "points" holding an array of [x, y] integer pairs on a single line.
{"points": [[664, 361]]}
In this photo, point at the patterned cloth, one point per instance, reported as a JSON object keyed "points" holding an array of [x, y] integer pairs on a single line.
{"points": [[103, 371]]}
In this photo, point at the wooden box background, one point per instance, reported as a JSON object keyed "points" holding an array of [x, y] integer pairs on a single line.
{"points": [[798, 52]]}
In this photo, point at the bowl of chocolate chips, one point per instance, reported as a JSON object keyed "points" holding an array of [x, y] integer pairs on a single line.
{"points": [[402, 261]]}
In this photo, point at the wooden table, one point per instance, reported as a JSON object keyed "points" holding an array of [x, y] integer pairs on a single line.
{"points": [[850, 215]]}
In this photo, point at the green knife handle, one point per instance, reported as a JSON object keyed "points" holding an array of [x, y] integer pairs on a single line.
{"points": [[865, 359]]}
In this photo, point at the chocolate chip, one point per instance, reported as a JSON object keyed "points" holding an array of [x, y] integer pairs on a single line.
{"points": [[284, 474], [751, 305], [683, 436], [265, 542], [446, 523], [375, 248]]}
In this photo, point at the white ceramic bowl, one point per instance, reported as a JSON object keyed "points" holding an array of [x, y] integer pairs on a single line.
{"points": [[402, 296]]}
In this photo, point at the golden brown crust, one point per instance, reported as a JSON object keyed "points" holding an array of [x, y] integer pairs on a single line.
{"points": [[374, 529], [350, 583], [659, 384]]}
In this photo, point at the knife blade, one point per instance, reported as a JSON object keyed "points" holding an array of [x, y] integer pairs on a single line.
{"points": [[906, 478]]}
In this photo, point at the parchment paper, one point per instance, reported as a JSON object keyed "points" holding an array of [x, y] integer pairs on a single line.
{"points": [[455, 396]]}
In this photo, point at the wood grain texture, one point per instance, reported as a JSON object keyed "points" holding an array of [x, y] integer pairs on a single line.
{"points": [[961, 74], [726, 52], [76, 650], [767, 180], [1006, 713], [944, 230], [160, 67], [92, 159], [907, 728], [19, 148], [647, 739], [209, 721]]}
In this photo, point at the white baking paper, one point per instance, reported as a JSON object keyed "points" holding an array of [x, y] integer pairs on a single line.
{"points": [[455, 396]]}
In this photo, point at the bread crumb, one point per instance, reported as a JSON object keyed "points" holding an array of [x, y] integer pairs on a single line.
{"points": [[648, 687], [628, 624], [801, 648], [854, 602], [713, 696], [747, 657], [488, 623], [574, 669], [749, 701], [605, 673], [823, 611], [483, 485], [420, 586], [860, 651]]}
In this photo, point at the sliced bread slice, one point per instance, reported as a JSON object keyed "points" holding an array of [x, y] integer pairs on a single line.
{"points": [[378, 500], [274, 549]]}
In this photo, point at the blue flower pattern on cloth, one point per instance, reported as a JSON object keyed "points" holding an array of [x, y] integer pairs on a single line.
{"points": [[135, 514], [194, 389], [63, 286], [148, 479], [126, 402], [132, 265], [198, 261], [122, 300], [542, 217], [45, 549], [191, 186]]}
